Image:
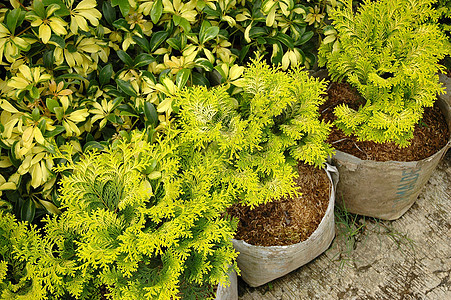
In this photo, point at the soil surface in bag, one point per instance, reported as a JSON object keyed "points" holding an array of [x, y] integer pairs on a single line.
{"points": [[290, 220], [430, 135]]}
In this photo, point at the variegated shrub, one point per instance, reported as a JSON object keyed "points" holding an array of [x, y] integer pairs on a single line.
{"points": [[83, 72]]}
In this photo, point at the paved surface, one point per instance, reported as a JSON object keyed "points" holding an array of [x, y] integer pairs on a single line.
{"points": [[409, 258]]}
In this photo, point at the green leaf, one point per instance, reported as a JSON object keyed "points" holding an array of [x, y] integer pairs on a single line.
{"points": [[126, 87], [299, 28], [142, 42], [117, 101], [156, 12], [127, 114], [111, 118], [157, 38], [12, 156], [124, 6], [28, 210], [261, 41], [177, 19], [42, 125], [34, 92], [221, 72], [210, 33], [182, 77], [302, 55], [311, 58], [12, 20], [257, 31], [108, 12], [121, 24], [70, 76], [199, 79], [182, 22], [50, 207], [35, 114], [51, 104], [151, 167], [56, 39], [285, 39], [143, 59], [48, 59], [4, 146], [38, 8], [71, 48], [244, 51], [93, 145], [276, 57], [151, 113], [125, 58], [105, 74], [58, 129], [204, 63], [175, 43], [211, 12], [89, 137], [127, 110], [149, 75], [59, 112], [207, 32], [62, 11], [304, 38]]}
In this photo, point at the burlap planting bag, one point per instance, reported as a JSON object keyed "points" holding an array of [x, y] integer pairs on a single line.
{"points": [[446, 82], [228, 292], [260, 264], [384, 190]]}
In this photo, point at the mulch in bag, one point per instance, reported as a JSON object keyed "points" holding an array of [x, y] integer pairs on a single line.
{"points": [[384, 190], [261, 264]]}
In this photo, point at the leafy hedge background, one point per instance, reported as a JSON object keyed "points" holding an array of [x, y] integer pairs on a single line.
{"points": [[81, 73]]}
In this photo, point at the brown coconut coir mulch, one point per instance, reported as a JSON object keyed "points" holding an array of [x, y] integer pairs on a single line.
{"points": [[430, 135], [289, 220]]}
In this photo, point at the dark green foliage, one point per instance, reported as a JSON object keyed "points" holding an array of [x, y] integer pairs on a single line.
{"points": [[389, 50]]}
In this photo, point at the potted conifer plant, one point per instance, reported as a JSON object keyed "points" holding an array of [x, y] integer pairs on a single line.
{"points": [[261, 133], [389, 53], [137, 223]]}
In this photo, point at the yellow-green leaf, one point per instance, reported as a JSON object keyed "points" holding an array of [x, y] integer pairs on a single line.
{"points": [[45, 33], [8, 107], [8, 186], [38, 135], [50, 207]]}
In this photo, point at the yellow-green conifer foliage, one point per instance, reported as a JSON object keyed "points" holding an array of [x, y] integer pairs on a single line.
{"points": [[389, 50], [259, 133], [138, 222], [79, 72], [18, 243]]}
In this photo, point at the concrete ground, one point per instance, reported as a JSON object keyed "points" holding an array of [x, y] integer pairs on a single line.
{"points": [[409, 258]]}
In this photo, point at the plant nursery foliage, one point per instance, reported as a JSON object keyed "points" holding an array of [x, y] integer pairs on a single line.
{"points": [[79, 73], [17, 271], [137, 223], [259, 133], [389, 51]]}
